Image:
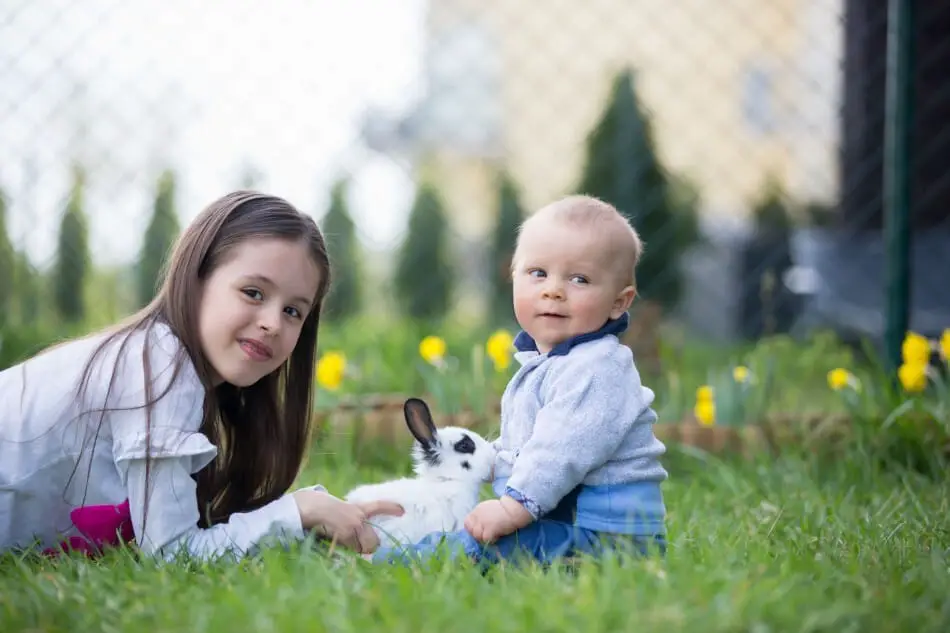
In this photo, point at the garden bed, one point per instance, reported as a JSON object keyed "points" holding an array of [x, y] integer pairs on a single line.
{"points": [[380, 418]]}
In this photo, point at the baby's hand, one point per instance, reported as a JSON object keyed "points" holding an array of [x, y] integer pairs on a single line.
{"points": [[490, 520]]}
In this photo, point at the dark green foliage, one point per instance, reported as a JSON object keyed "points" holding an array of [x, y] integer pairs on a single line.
{"points": [[504, 237], [160, 236], [344, 298], [73, 261], [770, 211], [7, 265], [424, 276], [768, 305], [622, 168], [28, 285]]}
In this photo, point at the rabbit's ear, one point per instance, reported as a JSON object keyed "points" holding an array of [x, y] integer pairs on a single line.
{"points": [[419, 421]]}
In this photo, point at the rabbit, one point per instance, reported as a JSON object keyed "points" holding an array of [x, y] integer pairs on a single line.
{"points": [[450, 465]]}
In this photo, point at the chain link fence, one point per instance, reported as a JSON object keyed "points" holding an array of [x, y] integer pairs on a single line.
{"points": [[745, 139]]}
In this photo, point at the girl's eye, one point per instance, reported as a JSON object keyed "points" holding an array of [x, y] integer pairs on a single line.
{"points": [[294, 312], [253, 293]]}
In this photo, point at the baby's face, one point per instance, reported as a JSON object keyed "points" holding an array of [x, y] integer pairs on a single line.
{"points": [[564, 284]]}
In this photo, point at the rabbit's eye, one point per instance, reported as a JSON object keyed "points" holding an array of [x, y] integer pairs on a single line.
{"points": [[465, 445]]}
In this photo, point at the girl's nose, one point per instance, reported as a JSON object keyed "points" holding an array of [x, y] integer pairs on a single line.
{"points": [[269, 320]]}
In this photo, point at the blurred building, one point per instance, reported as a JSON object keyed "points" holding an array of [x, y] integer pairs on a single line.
{"points": [[737, 90]]}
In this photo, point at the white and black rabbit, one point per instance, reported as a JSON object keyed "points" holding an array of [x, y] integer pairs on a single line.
{"points": [[450, 464]]}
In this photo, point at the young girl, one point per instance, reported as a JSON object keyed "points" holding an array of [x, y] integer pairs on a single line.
{"points": [[184, 426]]}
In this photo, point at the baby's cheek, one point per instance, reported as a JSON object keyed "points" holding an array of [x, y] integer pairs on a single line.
{"points": [[522, 301]]}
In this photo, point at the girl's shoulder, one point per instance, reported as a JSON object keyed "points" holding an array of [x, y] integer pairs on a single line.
{"points": [[158, 376], [118, 370], [121, 375], [154, 355]]}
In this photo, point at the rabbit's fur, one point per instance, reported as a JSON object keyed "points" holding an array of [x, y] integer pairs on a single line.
{"points": [[450, 464]]}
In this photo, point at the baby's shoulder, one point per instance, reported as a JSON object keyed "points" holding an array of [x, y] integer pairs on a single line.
{"points": [[603, 356]]}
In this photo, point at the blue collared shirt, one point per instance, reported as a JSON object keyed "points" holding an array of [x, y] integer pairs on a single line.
{"points": [[578, 420]]}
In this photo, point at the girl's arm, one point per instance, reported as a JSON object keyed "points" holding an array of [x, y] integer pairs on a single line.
{"points": [[168, 524], [155, 462], [165, 518]]}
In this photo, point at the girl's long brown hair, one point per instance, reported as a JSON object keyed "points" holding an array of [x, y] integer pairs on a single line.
{"points": [[262, 431]]}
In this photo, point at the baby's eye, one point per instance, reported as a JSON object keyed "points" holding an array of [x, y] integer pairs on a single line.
{"points": [[253, 293], [537, 272], [294, 312], [579, 279]]}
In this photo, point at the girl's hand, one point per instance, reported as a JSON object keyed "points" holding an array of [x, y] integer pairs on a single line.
{"points": [[344, 522]]}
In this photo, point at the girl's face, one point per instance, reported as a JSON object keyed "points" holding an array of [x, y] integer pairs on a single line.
{"points": [[253, 307]]}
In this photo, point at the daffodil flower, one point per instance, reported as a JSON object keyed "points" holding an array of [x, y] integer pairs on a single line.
{"points": [[705, 411], [704, 394], [840, 378], [915, 349], [330, 370], [913, 377], [498, 348], [740, 374], [945, 345], [432, 349]]}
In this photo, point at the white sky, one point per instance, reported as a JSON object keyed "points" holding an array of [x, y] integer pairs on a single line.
{"points": [[209, 86]]}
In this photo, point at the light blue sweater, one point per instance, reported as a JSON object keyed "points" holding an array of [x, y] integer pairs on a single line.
{"points": [[577, 420]]}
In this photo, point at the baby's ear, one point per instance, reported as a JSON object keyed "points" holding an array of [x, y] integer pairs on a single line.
{"points": [[623, 301]]}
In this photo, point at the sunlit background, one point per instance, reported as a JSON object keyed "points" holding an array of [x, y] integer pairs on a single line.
{"points": [[807, 426], [744, 140]]}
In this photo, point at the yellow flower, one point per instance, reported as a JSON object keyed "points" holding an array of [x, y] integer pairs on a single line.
{"points": [[498, 348], [432, 349], [330, 370], [839, 378], [704, 394], [915, 349], [705, 411], [740, 374], [913, 376], [945, 345]]}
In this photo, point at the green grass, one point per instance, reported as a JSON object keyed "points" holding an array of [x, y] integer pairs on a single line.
{"points": [[794, 544]]}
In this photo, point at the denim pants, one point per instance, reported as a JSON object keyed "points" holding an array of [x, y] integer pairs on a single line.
{"points": [[544, 541]]}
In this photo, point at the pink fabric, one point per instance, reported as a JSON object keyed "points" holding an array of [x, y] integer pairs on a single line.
{"points": [[100, 527]]}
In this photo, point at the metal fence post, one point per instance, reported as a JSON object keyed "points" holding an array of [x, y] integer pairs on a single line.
{"points": [[897, 167]]}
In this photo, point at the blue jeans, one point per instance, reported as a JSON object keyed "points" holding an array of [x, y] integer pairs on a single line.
{"points": [[543, 541]]}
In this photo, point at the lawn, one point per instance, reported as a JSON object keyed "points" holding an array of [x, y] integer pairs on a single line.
{"points": [[804, 540], [789, 544]]}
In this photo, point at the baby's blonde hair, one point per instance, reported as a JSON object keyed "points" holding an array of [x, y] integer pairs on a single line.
{"points": [[591, 213]]}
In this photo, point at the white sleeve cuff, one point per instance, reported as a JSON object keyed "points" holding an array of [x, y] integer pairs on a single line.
{"points": [[170, 526]]}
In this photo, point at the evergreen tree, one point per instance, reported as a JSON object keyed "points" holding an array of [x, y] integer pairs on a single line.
{"points": [[159, 238], [622, 168], [768, 305], [344, 297], [423, 277], [7, 265], [28, 288], [73, 261], [504, 237], [770, 211]]}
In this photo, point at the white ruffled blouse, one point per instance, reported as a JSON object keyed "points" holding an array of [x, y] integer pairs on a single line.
{"points": [[53, 460]]}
